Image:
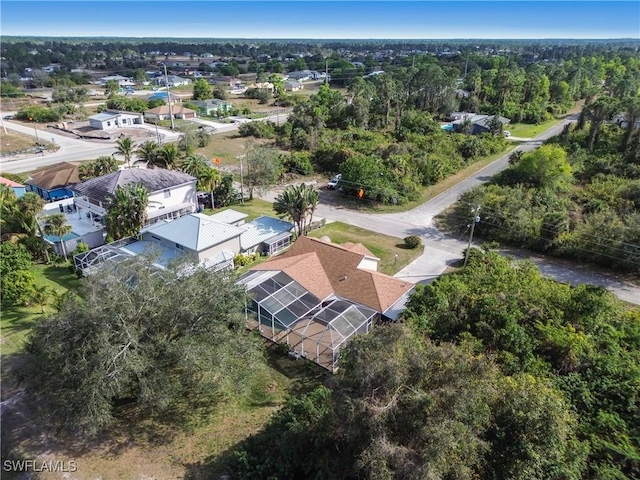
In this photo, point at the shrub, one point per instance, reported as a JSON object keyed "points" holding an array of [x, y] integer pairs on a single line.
{"points": [[298, 162], [412, 241], [243, 259], [18, 287], [257, 129], [38, 114]]}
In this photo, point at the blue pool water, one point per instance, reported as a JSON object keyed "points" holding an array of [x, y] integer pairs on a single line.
{"points": [[447, 126]]}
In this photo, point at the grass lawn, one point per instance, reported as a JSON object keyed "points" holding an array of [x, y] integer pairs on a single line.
{"points": [[16, 321], [254, 208], [527, 130], [382, 246], [227, 147]]}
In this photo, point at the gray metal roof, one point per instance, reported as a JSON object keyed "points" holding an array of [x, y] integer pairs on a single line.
{"points": [[263, 229], [228, 216], [153, 180], [103, 117], [195, 231]]}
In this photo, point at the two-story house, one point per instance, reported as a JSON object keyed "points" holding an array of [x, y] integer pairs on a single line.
{"points": [[171, 194]]}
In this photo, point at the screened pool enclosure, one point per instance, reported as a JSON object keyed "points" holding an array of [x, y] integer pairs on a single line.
{"points": [[314, 328]]}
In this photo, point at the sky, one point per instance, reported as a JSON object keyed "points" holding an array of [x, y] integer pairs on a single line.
{"points": [[323, 19]]}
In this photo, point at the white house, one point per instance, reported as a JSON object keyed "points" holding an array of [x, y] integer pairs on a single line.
{"points": [[171, 194], [172, 81], [113, 119], [122, 81]]}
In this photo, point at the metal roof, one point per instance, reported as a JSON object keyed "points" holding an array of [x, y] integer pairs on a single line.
{"points": [[228, 216], [195, 231], [263, 229], [103, 117]]}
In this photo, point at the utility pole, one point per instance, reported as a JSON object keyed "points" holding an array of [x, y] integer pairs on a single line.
{"points": [[166, 82], [326, 71], [466, 66], [241, 181], [476, 219]]}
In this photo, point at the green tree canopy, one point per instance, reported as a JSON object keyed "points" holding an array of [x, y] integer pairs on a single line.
{"points": [[127, 211], [137, 334]]}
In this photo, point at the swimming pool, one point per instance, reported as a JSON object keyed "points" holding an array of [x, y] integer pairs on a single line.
{"points": [[447, 126]]}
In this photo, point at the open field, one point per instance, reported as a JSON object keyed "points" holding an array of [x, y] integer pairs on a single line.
{"points": [[527, 130], [382, 246], [227, 147], [13, 141]]}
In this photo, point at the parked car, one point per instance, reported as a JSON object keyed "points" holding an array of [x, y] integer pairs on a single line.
{"points": [[8, 117], [507, 133], [333, 184]]}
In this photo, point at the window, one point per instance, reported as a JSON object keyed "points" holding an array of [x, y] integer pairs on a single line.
{"points": [[167, 193], [108, 123], [179, 247]]}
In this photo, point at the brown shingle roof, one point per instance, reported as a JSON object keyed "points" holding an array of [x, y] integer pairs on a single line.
{"points": [[323, 268], [60, 175], [358, 248]]}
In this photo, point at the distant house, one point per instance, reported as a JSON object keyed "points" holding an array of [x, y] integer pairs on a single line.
{"points": [[113, 119], [122, 81], [301, 75], [165, 96], [51, 68], [212, 106], [54, 183], [17, 188], [171, 193], [293, 86], [374, 73], [172, 81], [479, 123], [163, 112]]}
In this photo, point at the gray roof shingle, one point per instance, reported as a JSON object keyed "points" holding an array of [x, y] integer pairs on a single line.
{"points": [[101, 188]]}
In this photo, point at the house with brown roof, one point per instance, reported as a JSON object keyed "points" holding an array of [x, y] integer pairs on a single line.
{"points": [[164, 112], [318, 295], [54, 183]]}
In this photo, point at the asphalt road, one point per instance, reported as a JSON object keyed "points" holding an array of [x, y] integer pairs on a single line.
{"points": [[73, 149], [441, 250]]}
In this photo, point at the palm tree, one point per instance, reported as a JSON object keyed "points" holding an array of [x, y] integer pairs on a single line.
{"points": [[167, 156], [148, 152], [195, 165], [208, 181], [57, 226], [127, 211], [297, 203], [125, 148]]}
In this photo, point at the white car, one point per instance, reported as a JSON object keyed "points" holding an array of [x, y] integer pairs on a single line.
{"points": [[507, 133], [334, 182]]}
